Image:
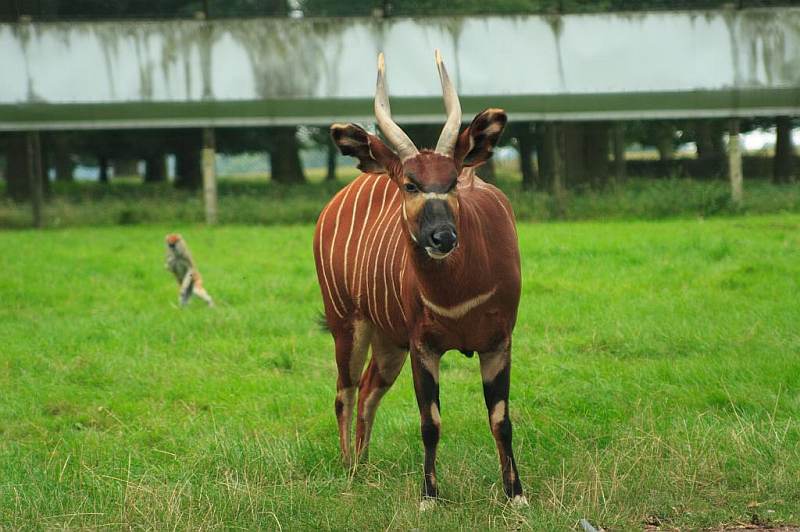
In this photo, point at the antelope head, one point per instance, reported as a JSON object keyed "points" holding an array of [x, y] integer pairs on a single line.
{"points": [[429, 179]]}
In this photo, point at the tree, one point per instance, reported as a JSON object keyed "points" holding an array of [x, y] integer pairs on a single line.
{"points": [[783, 166], [186, 146], [332, 153], [248, 8], [575, 171], [60, 144], [320, 138], [284, 155], [619, 146], [104, 147], [155, 167], [403, 8], [525, 137], [547, 152], [707, 135], [661, 134], [597, 139], [102, 163], [16, 172]]}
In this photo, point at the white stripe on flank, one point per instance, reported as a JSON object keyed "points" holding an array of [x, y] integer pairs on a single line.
{"points": [[364, 266], [364, 257], [333, 243], [403, 267], [350, 234], [357, 288], [322, 259], [377, 254], [458, 311], [385, 281], [370, 252], [399, 235]]}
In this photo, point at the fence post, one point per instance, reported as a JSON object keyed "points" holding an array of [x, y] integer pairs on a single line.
{"points": [[735, 161], [209, 176], [34, 148]]}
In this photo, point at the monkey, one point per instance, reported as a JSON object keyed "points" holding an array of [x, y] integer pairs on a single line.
{"points": [[180, 263]]}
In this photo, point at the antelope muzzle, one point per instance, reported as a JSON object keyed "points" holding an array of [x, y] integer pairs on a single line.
{"points": [[437, 229]]}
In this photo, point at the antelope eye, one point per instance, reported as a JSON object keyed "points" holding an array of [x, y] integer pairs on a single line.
{"points": [[411, 187]]}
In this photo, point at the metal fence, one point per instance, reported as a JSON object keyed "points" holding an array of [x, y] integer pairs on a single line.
{"points": [[55, 10]]}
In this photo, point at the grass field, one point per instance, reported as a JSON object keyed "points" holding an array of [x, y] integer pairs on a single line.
{"points": [[656, 381]]}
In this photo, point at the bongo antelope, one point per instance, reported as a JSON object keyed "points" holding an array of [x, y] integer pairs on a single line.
{"points": [[419, 254]]}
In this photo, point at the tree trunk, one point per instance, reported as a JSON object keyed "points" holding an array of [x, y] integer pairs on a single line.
{"points": [[188, 174], [596, 153], [43, 164], [284, 156], [664, 141], [783, 165], [332, 153], [717, 140], [574, 154], [702, 134], [526, 144], [155, 168], [125, 167], [17, 179], [620, 170], [544, 154], [102, 162], [666, 152], [710, 147], [62, 159]]}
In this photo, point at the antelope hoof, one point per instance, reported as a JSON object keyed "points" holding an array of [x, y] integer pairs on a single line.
{"points": [[519, 501], [428, 503], [347, 462]]}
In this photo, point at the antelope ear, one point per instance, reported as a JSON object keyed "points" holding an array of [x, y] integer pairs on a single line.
{"points": [[372, 154], [476, 143]]}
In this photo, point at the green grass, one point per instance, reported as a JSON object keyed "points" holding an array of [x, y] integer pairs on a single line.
{"points": [[250, 201], [656, 379]]}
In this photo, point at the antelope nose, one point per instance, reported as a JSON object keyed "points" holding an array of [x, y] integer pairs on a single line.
{"points": [[444, 239]]}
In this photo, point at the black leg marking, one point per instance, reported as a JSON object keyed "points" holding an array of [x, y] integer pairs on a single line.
{"points": [[427, 391], [495, 393]]}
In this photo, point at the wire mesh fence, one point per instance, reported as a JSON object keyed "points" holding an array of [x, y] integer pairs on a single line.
{"points": [[54, 10]]}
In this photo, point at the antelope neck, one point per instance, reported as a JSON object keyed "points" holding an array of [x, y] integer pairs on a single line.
{"points": [[452, 286]]}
